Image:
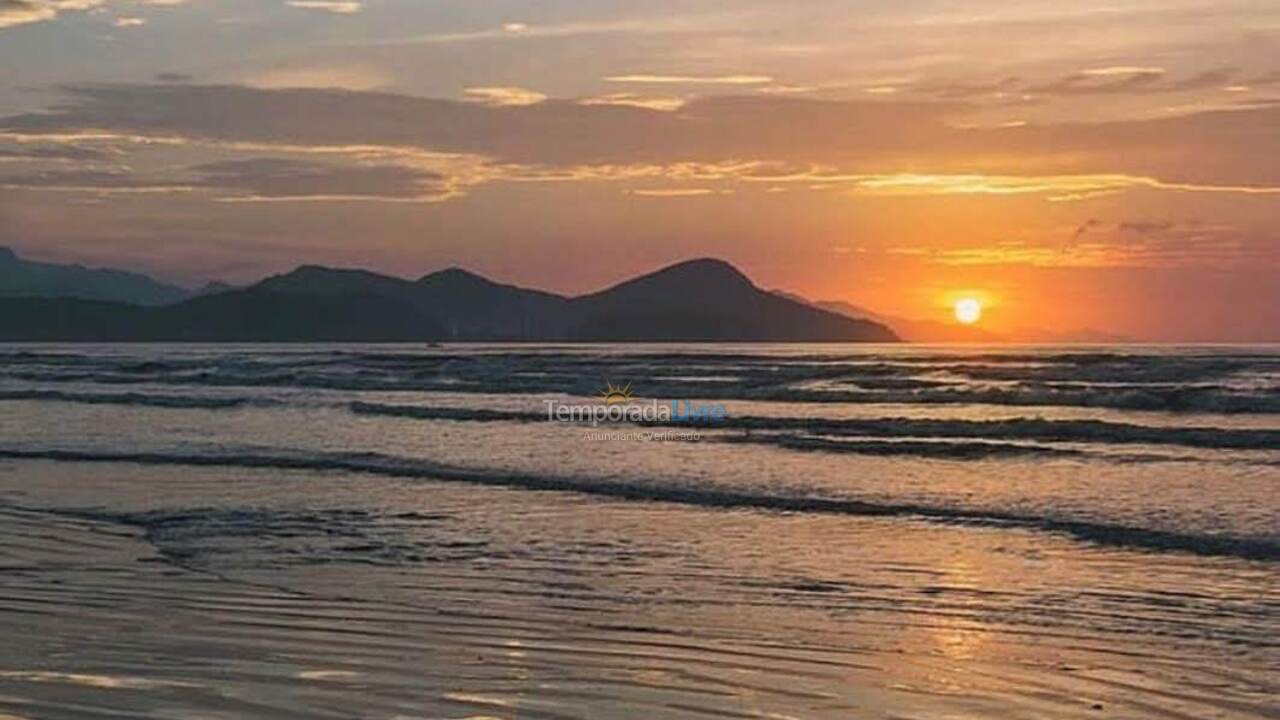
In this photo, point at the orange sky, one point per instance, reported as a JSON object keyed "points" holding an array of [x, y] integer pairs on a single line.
{"points": [[1088, 166]]}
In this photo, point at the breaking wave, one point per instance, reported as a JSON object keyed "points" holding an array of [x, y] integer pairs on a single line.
{"points": [[1033, 429], [1126, 397], [141, 399], [444, 413], [937, 449], [1108, 534], [1189, 381]]}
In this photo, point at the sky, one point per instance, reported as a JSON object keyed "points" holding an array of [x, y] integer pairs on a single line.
{"points": [[1102, 166]]}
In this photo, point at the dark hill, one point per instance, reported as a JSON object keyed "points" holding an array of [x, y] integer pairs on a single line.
{"points": [[456, 304], [709, 300], [317, 280], [471, 307], [239, 316], [63, 319], [24, 278], [260, 315], [696, 301]]}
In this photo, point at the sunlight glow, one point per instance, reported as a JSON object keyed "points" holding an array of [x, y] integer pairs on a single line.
{"points": [[968, 310]]}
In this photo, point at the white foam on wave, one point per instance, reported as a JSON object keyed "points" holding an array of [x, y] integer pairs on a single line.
{"points": [[102, 682]]}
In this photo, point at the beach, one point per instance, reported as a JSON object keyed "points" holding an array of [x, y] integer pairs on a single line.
{"points": [[868, 531]]}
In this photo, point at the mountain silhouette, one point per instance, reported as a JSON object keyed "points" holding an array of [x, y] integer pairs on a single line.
{"points": [[709, 300], [460, 304], [25, 278], [696, 301], [476, 308], [213, 288]]}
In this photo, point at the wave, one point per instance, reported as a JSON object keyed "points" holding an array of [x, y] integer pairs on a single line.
{"points": [[937, 449], [777, 387], [1035, 429], [444, 413], [1100, 533], [1184, 382], [1032, 429], [1130, 397], [139, 399]]}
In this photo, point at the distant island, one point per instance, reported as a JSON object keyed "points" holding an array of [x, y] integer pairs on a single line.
{"points": [[704, 300]]}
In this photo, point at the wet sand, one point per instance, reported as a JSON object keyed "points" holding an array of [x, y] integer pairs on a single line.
{"points": [[372, 599]]}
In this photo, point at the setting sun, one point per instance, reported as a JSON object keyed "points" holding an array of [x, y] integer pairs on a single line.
{"points": [[968, 310]]}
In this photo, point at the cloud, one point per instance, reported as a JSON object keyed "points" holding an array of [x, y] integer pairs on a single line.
{"points": [[282, 179], [1148, 243], [54, 153], [552, 132], [1126, 243], [861, 146], [1145, 227], [1131, 80], [1084, 228], [662, 103], [339, 7], [503, 96], [663, 24], [345, 77], [21, 12], [1135, 80], [1123, 70], [254, 179], [964, 91], [915, 184], [106, 181], [691, 79], [674, 192]]}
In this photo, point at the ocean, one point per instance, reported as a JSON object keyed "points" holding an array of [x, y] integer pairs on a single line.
{"points": [[411, 531]]}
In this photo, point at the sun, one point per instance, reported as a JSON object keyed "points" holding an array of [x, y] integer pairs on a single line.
{"points": [[968, 310]]}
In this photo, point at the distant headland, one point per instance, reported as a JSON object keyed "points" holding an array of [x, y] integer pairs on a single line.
{"points": [[703, 300]]}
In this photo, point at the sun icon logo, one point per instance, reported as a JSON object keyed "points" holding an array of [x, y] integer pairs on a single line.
{"points": [[616, 394]]}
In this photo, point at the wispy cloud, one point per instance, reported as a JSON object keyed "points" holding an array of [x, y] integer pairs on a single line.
{"points": [[673, 192], [346, 77], [504, 96], [691, 79], [1131, 80], [21, 12], [1126, 243], [1112, 70], [255, 179], [658, 24], [910, 183], [662, 103], [279, 179], [516, 134], [340, 7], [67, 153]]}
